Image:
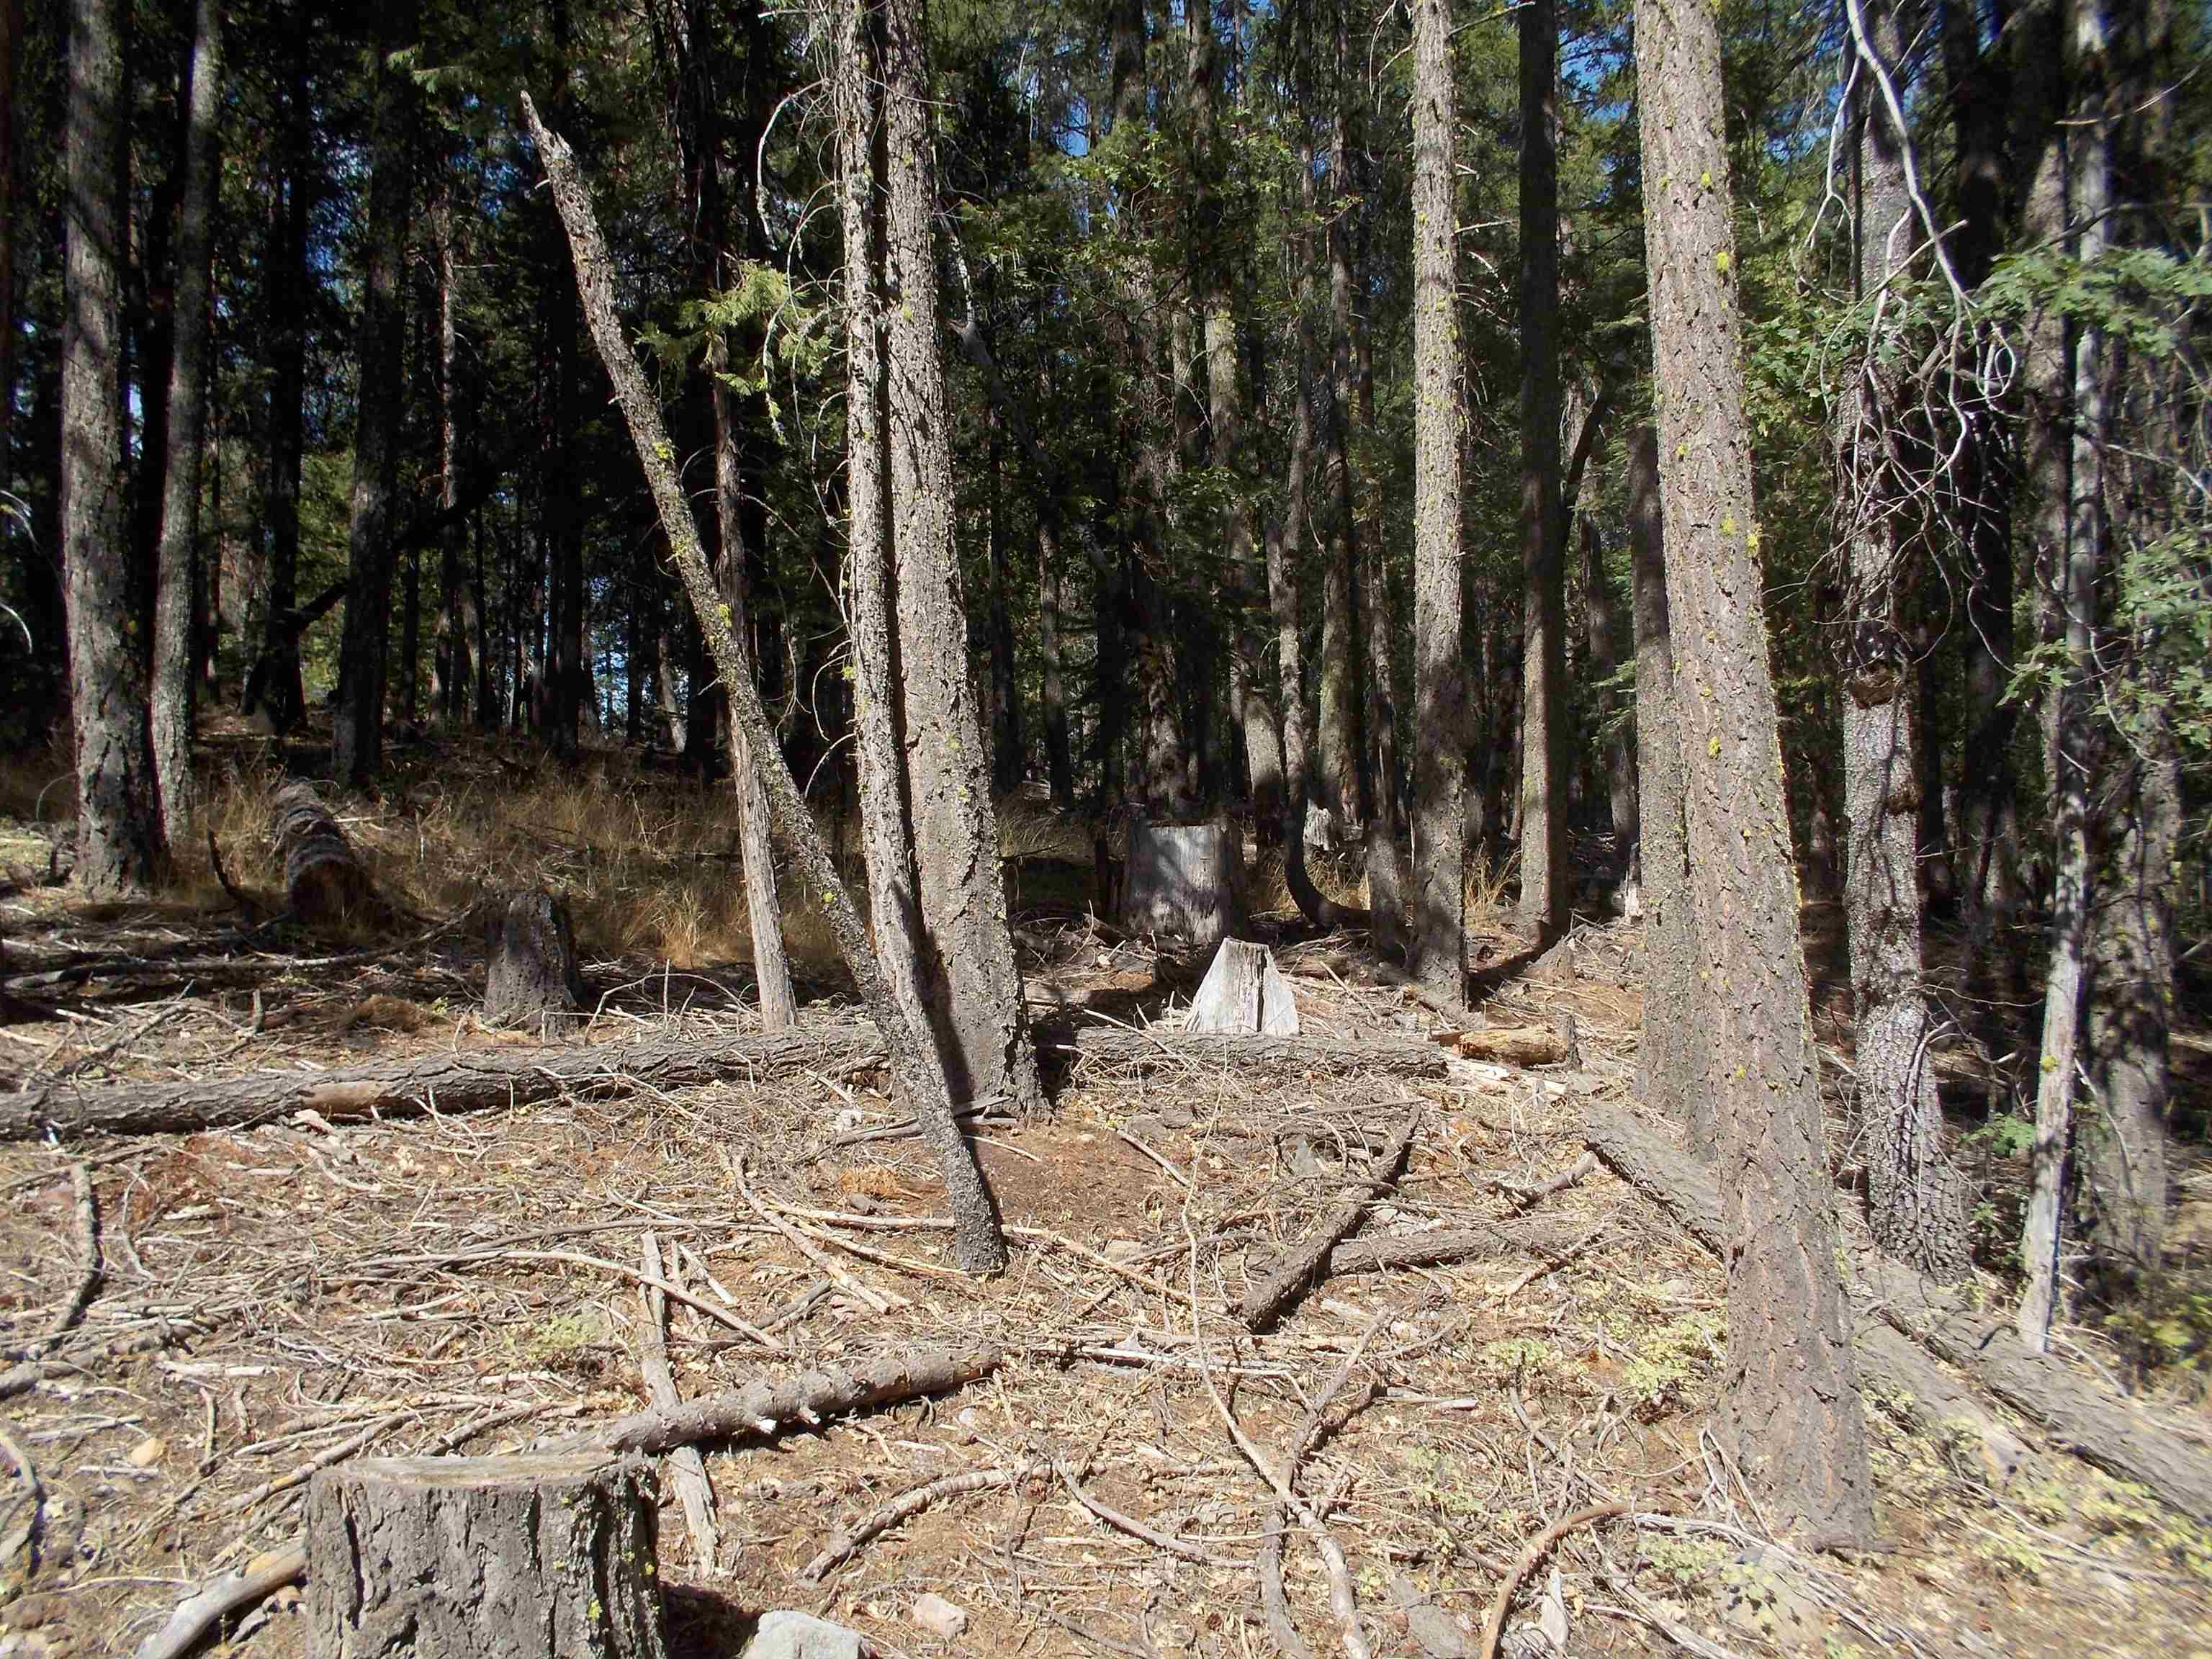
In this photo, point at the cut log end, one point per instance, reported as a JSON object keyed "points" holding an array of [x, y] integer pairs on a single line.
{"points": [[484, 1557], [530, 981], [325, 883]]}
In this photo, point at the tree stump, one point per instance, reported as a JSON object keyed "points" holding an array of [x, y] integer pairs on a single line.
{"points": [[545, 1557], [1181, 881], [529, 948], [325, 881], [1244, 993]]}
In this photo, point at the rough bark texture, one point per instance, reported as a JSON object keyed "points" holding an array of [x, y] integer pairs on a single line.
{"points": [[1672, 1055], [1791, 1407], [971, 983], [1111, 1047], [978, 1243], [120, 847], [452, 671], [1917, 1197], [531, 978], [451, 1080], [357, 743], [325, 881], [176, 678], [1545, 873], [484, 1557], [2079, 1416], [1181, 882], [1606, 640], [1436, 938]]}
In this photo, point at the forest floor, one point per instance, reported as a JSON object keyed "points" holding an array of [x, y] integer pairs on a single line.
{"points": [[272, 1300]]}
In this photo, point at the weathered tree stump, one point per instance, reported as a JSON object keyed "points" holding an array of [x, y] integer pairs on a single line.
{"points": [[545, 1557], [1244, 993], [1181, 881], [324, 880], [532, 981]]}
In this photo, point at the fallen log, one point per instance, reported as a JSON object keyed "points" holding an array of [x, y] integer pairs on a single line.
{"points": [[1523, 1045], [1441, 1245], [761, 1408], [445, 1081], [324, 880], [1397, 1057], [1264, 1303], [2075, 1415]]}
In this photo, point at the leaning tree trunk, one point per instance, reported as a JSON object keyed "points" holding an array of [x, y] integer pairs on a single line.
{"points": [[1917, 1197], [974, 989], [1672, 1058], [1544, 866], [552, 1556], [1437, 936], [357, 745], [119, 845], [1791, 1407], [978, 1243], [175, 658]]}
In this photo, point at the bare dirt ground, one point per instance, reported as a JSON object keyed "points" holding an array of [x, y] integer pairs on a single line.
{"points": [[274, 1299]]}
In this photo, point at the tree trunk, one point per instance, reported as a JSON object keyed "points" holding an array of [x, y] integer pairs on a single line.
{"points": [[1181, 882], [325, 883], [176, 681], [1791, 1407], [1672, 1058], [978, 1243], [11, 215], [1437, 942], [539, 1556], [1340, 755], [974, 986], [1917, 1197], [119, 845], [1546, 877], [530, 954], [452, 672], [1606, 639], [1009, 761], [357, 748], [2070, 569]]}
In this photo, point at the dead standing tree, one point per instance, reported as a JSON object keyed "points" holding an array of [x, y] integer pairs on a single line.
{"points": [[979, 1244]]}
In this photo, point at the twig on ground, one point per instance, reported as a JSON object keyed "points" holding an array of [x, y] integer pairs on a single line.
{"points": [[882, 1302], [1525, 1193], [322, 1460], [1181, 1547], [1264, 1303], [693, 1490], [911, 1502], [199, 1613], [87, 1283], [23, 1537], [1494, 1628]]}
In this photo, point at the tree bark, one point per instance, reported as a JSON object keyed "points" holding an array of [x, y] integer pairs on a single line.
{"points": [[1606, 637], [484, 1557], [119, 845], [979, 1245], [325, 881], [1436, 941], [1546, 876], [1181, 882], [176, 678], [1340, 756], [1917, 1197], [452, 669], [11, 217], [1673, 1060], [973, 987], [1791, 1407], [357, 747], [530, 981]]}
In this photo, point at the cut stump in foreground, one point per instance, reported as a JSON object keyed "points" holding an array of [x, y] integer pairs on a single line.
{"points": [[325, 881], [1181, 882], [542, 1557], [530, 947], [1244, 994]]}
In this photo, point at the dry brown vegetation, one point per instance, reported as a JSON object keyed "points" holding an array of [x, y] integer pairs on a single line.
{"points": [[278, 1297]]}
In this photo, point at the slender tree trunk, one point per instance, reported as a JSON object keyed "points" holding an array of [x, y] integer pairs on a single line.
{"points": [[1341, 760], [11, 51], [358, 746], [1792, 1405], [176, 683], [1917, 1198], [1673, 1058], [119, 845], [1437, 951], [1546, 877], [452, 669], [1606, 635], [975, 989], [1008, 755], [978, 1244], [2072, 576]]}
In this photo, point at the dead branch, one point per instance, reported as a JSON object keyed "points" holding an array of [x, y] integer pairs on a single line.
{"points": [[1264, 1303], [446, 1081], [1113, 1046], [1525, 1193], [911, 1502], [693, 1490], [1181, 1548], [1539, 1546], [882, 1302], [2099, 1428], [1522, 1045], [199, 1613], [759, 1408], [88, 1284], [1438, 1247]]}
